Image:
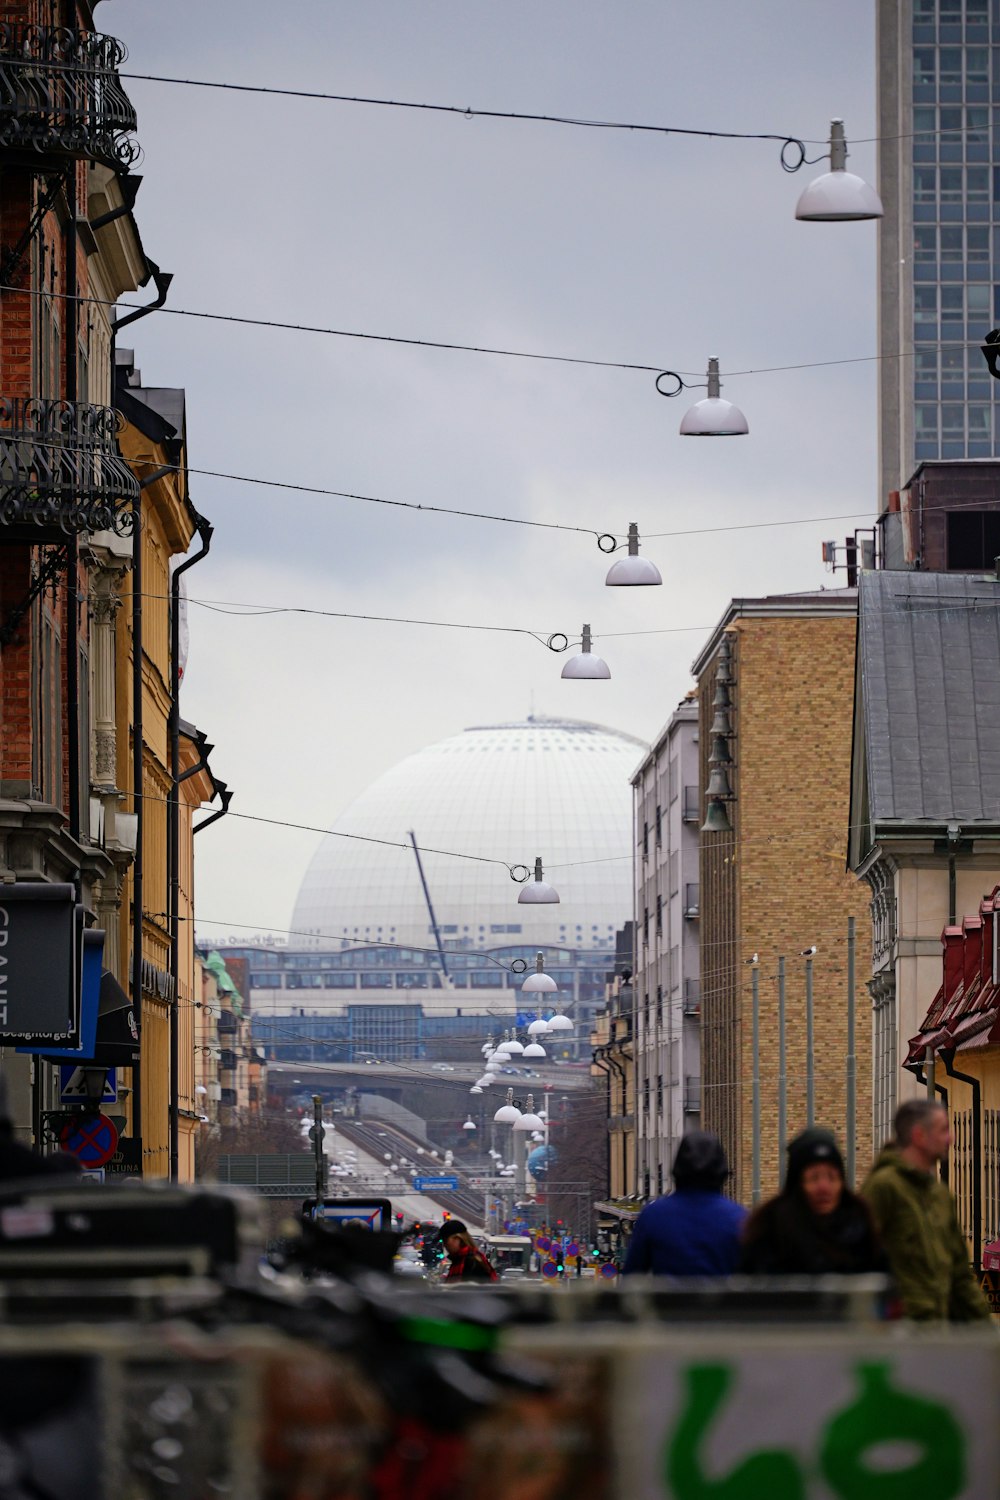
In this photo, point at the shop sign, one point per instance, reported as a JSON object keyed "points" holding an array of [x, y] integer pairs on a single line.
{"points": [[41, 938], [855, 1419]]}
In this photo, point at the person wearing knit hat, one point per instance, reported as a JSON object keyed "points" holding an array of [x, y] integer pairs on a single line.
{"points": [[815, 1226]]}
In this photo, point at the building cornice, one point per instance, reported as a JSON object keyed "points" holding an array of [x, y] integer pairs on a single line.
{"points": [[818, 606]]}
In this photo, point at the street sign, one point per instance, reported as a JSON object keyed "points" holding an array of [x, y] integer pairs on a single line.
{"points": [[366, 1213], [419, 1183], [73, 1089], [93, 1141]]}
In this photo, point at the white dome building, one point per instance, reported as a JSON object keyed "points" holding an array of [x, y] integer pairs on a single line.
{"points": [[559, 788]]}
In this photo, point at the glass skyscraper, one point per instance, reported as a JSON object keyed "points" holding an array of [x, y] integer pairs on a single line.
{"points": [[939, 243]]}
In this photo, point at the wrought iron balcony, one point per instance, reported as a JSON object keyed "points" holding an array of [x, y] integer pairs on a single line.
{"points": [[60, 469], [60, 95]]}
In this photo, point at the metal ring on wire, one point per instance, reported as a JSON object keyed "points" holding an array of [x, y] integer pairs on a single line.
{"points": [[790, 164], [558, 636], [669, 375], [607, 537], [519, 879], [518, 966]]}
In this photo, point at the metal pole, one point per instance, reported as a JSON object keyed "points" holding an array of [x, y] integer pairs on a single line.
{"points": [[72, 355], [810, 1060], [174, 839], [756, 1084], [430, 905], [318, 1150], [138, 807], [782, 1063], [852, 1060]]}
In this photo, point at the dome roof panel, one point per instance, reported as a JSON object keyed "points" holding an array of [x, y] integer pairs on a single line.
{"points": [[501, 794]]}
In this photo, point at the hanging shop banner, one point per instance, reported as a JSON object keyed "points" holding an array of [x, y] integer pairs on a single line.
{"points": [[41, 951], [848, 1418], [90, 996]]}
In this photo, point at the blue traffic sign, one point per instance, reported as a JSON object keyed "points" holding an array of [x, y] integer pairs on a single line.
{"points": [[419, 1183], [92, 1141], [73, 1087]]}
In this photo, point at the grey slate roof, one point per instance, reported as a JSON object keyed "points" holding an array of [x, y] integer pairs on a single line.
{"points": [[929, 657]]}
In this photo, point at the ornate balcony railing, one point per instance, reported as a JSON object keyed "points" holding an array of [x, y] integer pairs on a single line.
{"points": [[60, 469], [60, 95]]}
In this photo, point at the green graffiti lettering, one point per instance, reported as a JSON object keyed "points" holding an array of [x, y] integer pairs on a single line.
{"points": [[775, 1475], [882, 1414]]}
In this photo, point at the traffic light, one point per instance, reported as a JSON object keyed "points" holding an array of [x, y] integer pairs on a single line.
{"points": [[445, 1214]]}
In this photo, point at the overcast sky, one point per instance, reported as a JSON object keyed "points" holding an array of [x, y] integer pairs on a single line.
{"points": [[607, 245]]}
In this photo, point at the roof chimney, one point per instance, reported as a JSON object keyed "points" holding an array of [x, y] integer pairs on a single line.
{"points": [[954, 959], [972, 928]]}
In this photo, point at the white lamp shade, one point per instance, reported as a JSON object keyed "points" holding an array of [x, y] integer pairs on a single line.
{"points": [[713, 417], [539, 984], [469, 1125], [632, 571], [537, 892], [492, 1065], [585, 665], [529, 1122], [476, 1088], [838, 197], [534, 1050], [560, 1023], [512, 1048], [538, 1028], [507, 1114], [484, 1082]]}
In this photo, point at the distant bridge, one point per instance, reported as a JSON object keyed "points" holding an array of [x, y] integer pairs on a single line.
{"points": [[559, 1079]]}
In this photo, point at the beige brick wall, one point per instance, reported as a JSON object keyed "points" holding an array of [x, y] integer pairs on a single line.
{"points": [[780, 885]]}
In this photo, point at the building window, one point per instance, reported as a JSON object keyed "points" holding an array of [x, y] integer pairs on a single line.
{"points": [[659, 1093], [645, 1097], [658, 825], [659, 1003], [645, 840], [659, 916], [645, 925], [973, 539]]}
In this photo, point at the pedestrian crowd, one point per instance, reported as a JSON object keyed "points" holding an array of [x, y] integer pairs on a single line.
{"points": [[903, 1222]]}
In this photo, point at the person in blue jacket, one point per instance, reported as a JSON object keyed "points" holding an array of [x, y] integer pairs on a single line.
{"points": [[696, 1230]]}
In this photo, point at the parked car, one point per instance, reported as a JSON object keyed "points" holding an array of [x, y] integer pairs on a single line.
{"points": [[442, 1067], [409, 1262]]}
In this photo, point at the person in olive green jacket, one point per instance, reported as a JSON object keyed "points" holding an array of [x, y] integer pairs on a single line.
{"points": [[915, 1216]]}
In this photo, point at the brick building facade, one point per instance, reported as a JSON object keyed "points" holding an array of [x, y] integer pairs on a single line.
{"points": [[86, 694], [775, 883]]}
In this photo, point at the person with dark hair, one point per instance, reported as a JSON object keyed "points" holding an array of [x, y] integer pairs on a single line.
{"points": [[916, 1217], [695, 1230], [815, 1226], [467, 1263]]}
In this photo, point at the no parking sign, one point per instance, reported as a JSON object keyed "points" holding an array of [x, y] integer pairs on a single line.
{"points": [[93, 1140]]}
